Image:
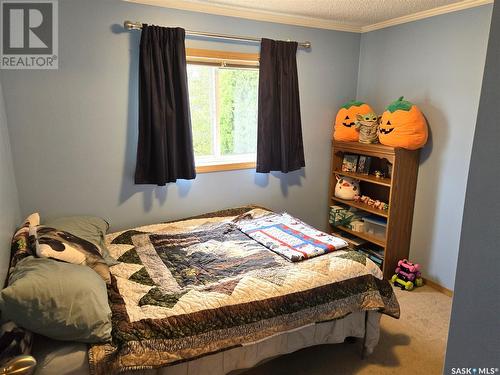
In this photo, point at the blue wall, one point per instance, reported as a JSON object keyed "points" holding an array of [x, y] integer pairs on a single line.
{"points": [[74, 130], [9, 203], [437, 63]]}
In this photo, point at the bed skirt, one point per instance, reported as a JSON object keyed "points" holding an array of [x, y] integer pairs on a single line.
{"points": [[56, 357]]}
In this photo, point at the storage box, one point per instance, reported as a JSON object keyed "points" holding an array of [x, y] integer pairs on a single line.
{"points": [[340, 215], [375, 226]]}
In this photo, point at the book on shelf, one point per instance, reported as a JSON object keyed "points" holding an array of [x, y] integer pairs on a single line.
{"points": [[364, 163], [379, 254], [350, 163], [352, 240], [373, 258]]}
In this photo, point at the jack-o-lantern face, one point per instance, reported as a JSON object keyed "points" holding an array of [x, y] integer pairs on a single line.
{"points": [[403, 125], [345, 122]]}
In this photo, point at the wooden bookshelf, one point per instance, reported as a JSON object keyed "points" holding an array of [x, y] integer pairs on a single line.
{"points": [[398, 191]]}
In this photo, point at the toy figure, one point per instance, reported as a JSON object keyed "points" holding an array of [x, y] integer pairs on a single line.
{"points": [[371, 202], [367, 125]]}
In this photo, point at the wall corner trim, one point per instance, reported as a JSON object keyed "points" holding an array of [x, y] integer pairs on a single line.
{"points": [[455, 7], [438, 287], [312, 22], [251, 14]]}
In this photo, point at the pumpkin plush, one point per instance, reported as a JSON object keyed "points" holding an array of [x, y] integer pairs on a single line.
{"points": [[345, 122], [403, 125]]}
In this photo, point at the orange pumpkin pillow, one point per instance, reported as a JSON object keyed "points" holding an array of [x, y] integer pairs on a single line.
{"points": [[345, 127], [403, 125]]}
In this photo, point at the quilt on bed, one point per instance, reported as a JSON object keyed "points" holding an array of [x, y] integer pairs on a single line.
{"points": [[186, 289]]}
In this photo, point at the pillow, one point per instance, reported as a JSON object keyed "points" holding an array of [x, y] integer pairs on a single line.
{"points": [[64, 246], [90, 228], [59, 300], [33, 219], [21, 245]]}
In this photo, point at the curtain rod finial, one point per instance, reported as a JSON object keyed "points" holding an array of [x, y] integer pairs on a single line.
{"points": [[129, 25]]}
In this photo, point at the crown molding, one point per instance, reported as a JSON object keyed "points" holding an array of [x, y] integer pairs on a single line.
{"points": [[318, 23], [251, 14], [462, 5]]}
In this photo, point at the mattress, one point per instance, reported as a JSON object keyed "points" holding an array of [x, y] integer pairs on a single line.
{"points": [[58, 357]]}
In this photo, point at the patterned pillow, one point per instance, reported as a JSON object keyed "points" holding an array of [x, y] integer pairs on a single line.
{"points": [[21, 245], [14, 341], [64, 246]]}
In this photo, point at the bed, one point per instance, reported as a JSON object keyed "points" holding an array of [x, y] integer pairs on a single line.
{"points": [[198, 296]]}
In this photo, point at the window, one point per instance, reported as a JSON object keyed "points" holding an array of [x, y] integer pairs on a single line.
{"points": [[223, 90]]}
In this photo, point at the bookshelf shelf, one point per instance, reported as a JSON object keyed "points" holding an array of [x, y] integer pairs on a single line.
{"points": [[362, 206], [364, 236], [398, 191], [368, 178]]}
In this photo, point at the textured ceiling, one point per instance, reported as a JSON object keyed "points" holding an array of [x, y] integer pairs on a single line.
{"points": [[344, 15], [348, 12]]}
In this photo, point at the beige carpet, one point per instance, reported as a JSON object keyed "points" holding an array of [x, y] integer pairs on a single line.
{"points": [[414, 344]]}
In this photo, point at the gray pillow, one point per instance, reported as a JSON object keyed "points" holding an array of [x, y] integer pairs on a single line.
{"points": [[90, 228], [59, 300]]}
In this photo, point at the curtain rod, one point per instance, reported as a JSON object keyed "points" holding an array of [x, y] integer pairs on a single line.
{"points": [[129, 25]]}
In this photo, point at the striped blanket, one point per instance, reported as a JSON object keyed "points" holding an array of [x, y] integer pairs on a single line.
{"points": [[289, 237]]}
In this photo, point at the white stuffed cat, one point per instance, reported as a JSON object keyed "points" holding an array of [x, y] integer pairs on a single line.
{"points": [[346, 188]]}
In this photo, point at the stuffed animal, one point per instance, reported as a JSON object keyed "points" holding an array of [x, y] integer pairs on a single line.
{"points": [[367, 125], [403, 125], [346, 188], [345, 122]]}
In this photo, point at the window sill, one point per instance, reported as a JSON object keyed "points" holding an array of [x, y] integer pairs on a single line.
{"points": [[224, 167]]}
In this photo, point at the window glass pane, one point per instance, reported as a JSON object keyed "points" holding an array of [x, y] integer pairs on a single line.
{"points": [[238, 110], [201, 99]]}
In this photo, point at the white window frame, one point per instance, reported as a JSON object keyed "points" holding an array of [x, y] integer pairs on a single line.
{"points": [[226, 59]]}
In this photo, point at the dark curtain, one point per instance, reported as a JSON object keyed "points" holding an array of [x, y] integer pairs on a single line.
{"points": [[165, 146], [279, 140]]}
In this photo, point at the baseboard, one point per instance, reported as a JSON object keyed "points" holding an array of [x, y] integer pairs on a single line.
{"points": [[438, 287]]}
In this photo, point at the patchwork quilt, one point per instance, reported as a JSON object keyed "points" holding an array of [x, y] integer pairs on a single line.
{"points": [[194, 287], [289, 237]]}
